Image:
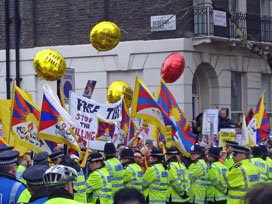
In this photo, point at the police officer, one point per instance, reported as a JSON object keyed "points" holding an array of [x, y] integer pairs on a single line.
{"points": [[268, 161], [155, 179], [99, 188], [35, 185], [59, 180], [229, 161], [10, 187], [56, 157], [133, 175], [41, 158], [216, 193], [178, 188], [114, 167], [79, 184], [198, 175], [259, 157], [241, 177]]}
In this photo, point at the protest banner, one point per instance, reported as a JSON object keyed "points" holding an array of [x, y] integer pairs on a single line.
{"points": [[85, 113], [210, 117], [224, 135]]}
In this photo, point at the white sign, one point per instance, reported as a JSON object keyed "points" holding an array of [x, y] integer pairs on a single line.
{"points": [[68, 83], [85, 113], [219, 18], [163, 23], [210, 117]]}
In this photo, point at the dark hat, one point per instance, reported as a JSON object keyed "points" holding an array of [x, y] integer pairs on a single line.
{"points": [[214, 152], [109, 149], [127, 153], [172, 151], [56, 154], [68, 161], [8, 157], [34, 174], [156, 152], [230, 143], [196, 148], [149, 141], [240, 149], [5, 148], [94, 157], [41, 158], [259, 150]]}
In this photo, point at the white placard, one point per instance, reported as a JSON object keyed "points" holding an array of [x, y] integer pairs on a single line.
{"points": [[163, 23], [219, 18], [210, 116], [85, 113]]}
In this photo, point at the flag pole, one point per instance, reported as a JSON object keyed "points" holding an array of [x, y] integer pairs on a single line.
{"points": [[65, 149]]}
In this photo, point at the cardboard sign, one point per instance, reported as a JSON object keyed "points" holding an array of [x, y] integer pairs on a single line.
{"points": [[68, 83], [224, 135], [210, 117]]}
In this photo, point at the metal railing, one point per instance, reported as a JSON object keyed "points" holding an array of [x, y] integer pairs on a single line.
{"points": [[255, 27]]}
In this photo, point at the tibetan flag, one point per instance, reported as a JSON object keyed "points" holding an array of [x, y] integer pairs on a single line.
{"points": [[259, 127], [125, 118], [3, 143], [24, 122], [55, 122], [184, 138], [146, 107], [105, 130], [132, 130], [249, 115]]}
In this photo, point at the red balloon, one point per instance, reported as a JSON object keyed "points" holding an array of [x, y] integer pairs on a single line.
{"points": [[172, 67]]}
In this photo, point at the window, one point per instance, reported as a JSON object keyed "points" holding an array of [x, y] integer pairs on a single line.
{"points": [[265, 7], [233, 5], [236, 96], [266, 87]]}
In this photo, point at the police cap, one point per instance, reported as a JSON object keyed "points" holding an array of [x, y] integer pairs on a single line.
{"points": [[34, 174], [56, 154], [196, 148], [156, 152], [109, 149], [41, 158], [214, 152], [259, 150], [230, 143], [127, 153], [172, 151], [5, 148], [8, 157], [94, 157], [240, 149]]}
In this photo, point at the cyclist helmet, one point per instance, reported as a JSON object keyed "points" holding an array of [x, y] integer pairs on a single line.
{"points": [[58, 175]]}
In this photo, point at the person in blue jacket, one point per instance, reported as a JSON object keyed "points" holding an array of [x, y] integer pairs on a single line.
{"points": [[10, 188]]}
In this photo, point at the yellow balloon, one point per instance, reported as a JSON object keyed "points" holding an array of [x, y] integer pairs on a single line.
{"points": [[105, 36], [49, 65], [117, 89]]}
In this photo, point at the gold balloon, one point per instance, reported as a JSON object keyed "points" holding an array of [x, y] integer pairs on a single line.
{"points": [[49, 65], [117, 89], [105, 36]]}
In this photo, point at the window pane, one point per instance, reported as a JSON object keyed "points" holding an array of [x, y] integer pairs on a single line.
{"points": [[266, 87], [236, 91]]}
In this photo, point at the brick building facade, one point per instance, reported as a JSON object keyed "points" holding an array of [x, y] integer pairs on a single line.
{"points": [[216, 60]]}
